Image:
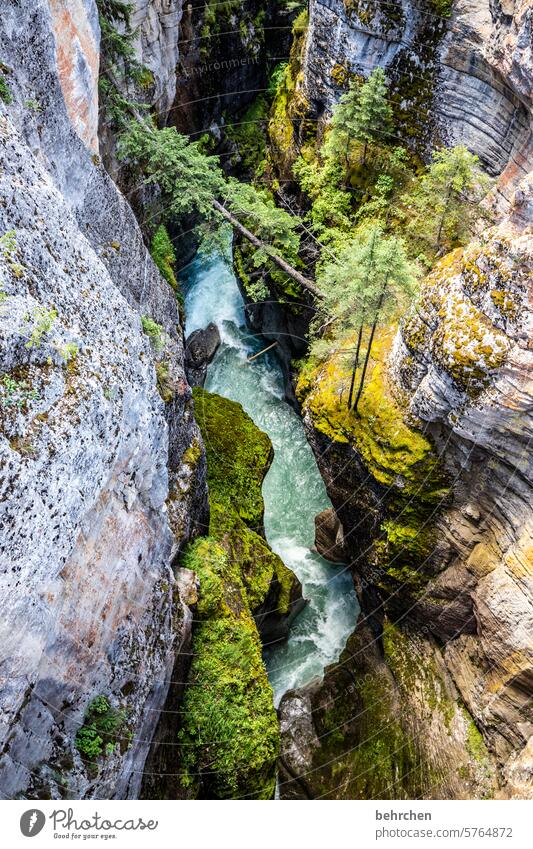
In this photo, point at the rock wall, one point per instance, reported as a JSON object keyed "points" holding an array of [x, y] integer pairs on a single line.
{"points": [[460, 72], [102, 480], [432, 483]]}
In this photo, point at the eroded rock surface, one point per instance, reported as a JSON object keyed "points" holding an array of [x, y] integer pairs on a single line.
{"points": [[463, 77], [103, 471]]}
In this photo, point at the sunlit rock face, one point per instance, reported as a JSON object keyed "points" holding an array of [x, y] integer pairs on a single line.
{"points": [[99, 489], [465, 78], [468, 374]]}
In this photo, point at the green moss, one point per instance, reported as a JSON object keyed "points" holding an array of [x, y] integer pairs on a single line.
{"points": [[155, 333], [390, 15], [248, 134], [5, 91], [164, 256], [229, 733], [102, 730], [238, 455], [474, 740], [221, 588], [289, 104], [258, 564], [165, 384], [394, 452], [192, 454], [365, 752], [229, 736]]}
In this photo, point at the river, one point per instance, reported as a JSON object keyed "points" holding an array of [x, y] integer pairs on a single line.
{"points": [[293, 489]]}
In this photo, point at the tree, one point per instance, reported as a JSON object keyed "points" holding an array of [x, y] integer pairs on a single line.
{"points": [[366, 282], [343, 126], [447, 198], [372, 116], [192, 182]]}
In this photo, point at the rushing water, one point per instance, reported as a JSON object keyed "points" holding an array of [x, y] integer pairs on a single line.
{"points": [[293, 489]]}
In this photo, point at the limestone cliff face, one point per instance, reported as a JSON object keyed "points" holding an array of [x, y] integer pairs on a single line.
{"points": [[102, 481], [433, 485], [460, 72], [472, 385]]}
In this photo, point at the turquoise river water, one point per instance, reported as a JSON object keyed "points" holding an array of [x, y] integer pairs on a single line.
{"points": [[293, 489]]}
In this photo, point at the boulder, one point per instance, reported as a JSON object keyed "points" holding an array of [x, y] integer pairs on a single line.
{"points": [[329, 536], [201, 347]]}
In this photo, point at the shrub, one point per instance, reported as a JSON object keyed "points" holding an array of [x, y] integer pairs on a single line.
{"points": [[155, 333], [16, 393], [43, 321], [5, 91], [101, 729]]}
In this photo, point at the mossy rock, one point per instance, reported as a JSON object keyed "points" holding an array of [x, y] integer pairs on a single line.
{"points": [[229, 736], [238, 456], [400, 462]]}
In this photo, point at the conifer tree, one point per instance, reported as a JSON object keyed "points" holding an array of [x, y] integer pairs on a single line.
{"points": [[447, 199], [371, 120], [366, 282]]}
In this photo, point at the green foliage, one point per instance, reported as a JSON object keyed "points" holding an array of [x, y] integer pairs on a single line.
{"points": [[363, 115], [8, 252], [43, 322], [257, 210], [445, 203], [229, 735], [370, 271], [326, 187], [189, 178], [69, 352], [248, 135], [121, 64], [229, 732], [5, 91], [371, 118], [16, 393], [164, 256], [101, 731], [155, 333]]}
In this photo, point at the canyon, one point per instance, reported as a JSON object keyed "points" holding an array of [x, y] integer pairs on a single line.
{"points": [[104, 482]]}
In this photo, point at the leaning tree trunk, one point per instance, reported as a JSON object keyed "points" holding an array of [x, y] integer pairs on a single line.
{"points": [[355, 365], [277, 260], [370, 342]]}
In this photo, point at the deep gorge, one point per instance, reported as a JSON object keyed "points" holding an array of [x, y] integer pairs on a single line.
{"points": [[157, 537]]}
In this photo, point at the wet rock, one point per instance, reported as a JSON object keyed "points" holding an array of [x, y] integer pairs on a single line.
{"points": [[329, 536], [383, 724], [200, 349]]}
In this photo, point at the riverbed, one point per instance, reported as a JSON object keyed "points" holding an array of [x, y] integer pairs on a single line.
{"points": [[293, 489]]}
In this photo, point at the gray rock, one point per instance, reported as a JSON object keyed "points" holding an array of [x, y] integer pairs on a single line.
{"points": [[329, 536], [92, 460], [200, 348]]}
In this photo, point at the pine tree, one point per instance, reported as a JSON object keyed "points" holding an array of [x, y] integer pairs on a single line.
{"points": [[191, 181], [447, 199], [372, 116], [363, 286]]}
